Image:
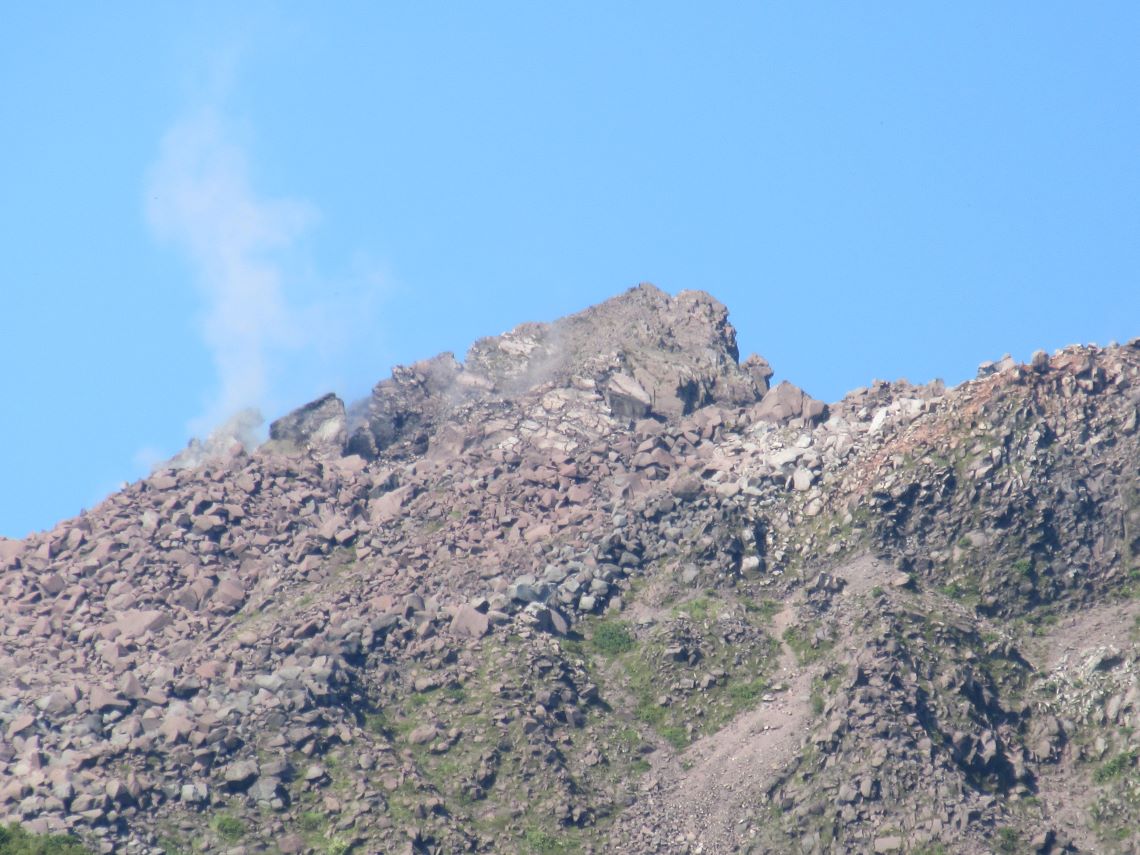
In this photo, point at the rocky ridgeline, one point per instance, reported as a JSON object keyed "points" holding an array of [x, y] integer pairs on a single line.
{"points": [[602, 588]]}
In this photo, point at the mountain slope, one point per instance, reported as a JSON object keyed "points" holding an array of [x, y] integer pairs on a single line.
{"points": [[600, 588]]}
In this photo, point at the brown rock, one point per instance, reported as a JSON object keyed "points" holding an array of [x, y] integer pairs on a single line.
{"points": [[137, 623], [102, 700], [786, 402], [228, 596], [318, 425], [627, 398], [423, 734], [20, 724], [469, 623]]}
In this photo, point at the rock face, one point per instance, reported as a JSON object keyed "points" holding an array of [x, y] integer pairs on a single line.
{"points": [[602, 588], [652, 354], [407, 407]]}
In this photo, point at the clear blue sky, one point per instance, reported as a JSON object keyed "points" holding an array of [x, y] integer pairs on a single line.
{"points": [[210, 204]]}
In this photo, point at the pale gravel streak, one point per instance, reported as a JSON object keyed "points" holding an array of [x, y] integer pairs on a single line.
{"points": [[706, 793]]}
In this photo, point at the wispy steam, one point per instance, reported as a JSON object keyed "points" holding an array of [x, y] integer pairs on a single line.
{"points": [[279, 333], [199, 198]]}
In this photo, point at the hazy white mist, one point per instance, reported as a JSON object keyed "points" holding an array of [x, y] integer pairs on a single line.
{"points": [[277, 332], [199, 198]]}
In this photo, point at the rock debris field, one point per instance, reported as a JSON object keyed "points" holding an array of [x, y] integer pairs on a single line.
{"points": [[602, 586]]}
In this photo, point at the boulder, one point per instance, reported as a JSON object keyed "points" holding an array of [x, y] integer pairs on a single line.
{"points": [[469, 623], [10, 550], [786, 402], [240, 775], [318, 426], [645, 351], [138, 623], [627, 399], [423, 734], [758, 369], [101, 700]]}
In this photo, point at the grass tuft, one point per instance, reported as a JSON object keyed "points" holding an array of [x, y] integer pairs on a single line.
{"points": [[229, 827], [612, 638], [1115, 767], [14, 840]]}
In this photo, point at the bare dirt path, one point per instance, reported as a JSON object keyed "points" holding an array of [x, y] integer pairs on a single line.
{"points": [[695, 801], [1067, 645], [1082, 633], [863, 573], [699, 801]]}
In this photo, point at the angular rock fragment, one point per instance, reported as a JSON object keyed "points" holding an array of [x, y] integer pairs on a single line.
{"points": [[319, 426], [469, 623]]}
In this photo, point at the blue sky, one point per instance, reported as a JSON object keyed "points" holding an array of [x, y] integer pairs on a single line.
{"points": [[215, 204]]}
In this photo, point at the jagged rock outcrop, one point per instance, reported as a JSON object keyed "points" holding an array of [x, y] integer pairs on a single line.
{"points": [[652, 354]]}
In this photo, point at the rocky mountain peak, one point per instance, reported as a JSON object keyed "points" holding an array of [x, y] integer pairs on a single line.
{"points": [[649, 355], [681, 351]]}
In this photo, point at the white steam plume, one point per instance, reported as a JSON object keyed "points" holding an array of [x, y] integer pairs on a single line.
{"points": [[199, 199]]}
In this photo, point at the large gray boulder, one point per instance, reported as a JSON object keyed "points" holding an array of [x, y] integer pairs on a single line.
{"points": [[318, 426], [786, 402], [627, 398]]}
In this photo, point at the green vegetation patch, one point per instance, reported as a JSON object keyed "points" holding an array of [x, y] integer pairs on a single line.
{"points": [[802, 641], [229, 827], [540, 842], [822, 687], [699, 609], [1008, 840], [612, 638], [762, 612], [960, 590], [15, 840], [746, 692], [678, 700], [1115, 768], [311, 821]]}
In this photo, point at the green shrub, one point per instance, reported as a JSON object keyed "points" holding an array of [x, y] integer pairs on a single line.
{"points": [[745, 692], [649, 711], [229, 827], [802, 642], [765, 610], [542, 842], [676, 736], [1007, 840], [698, 609], [1115, 767], [14, 840], [612, 638], [817, 702], [311, 821]]}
